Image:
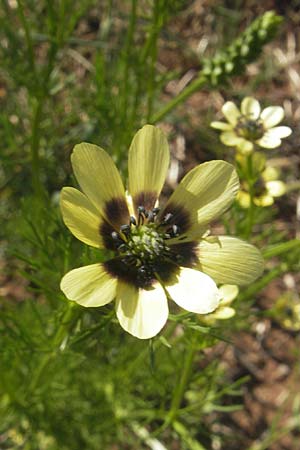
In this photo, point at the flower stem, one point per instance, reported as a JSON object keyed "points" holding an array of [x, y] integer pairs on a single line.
{"points": [[197, 84], [66, 322], [35, 141], [180, 388], [251, 183]]}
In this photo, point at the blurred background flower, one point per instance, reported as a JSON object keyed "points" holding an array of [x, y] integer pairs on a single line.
{"points": [[267, 185], [250, 125], [229, 292]]}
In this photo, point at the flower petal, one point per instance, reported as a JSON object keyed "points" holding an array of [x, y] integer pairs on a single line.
{"points": [[221, 126], [142, 313], [222, 313], [230, 138], [270, 173], [244, 147], [89, 286], [81, 216], [244, 199], [194, 291], [269, 140], [148, 162], [204, 194], [100, 181], [276, 188], [271, 116], [250, 108], [228, 292], [231, 112], [280, 132], [264, 200], [230, 260]]}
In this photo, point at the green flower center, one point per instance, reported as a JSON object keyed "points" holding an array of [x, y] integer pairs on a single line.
{"points": [[249, 129], [146, 243], [142, 247]]}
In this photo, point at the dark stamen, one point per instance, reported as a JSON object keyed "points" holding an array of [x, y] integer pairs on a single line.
{"points": [[132, 220], [150, 216], [125, 229], [142, 246]]}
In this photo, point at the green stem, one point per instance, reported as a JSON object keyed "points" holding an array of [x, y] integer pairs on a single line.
{"points": [[129, 43], [180, 388], [66, 322], [35, 142], [27, 38], [293, 186], [180, 98], [157, 23], [251, 209]]}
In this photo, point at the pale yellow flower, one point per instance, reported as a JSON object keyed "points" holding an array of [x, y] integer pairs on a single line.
{"points": [[287, 311], [159, 253], [249, 126], [268, 185], [224, 311]]}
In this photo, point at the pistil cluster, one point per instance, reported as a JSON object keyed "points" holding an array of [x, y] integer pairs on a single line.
{"points": [[249, 129], [142, 244]]}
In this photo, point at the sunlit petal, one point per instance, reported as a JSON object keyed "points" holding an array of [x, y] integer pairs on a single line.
{"points": [[89, 286], [276, 188], [279, 132], [100, 181], [205, 192], [148, 162], [272, 115], [231, 112], [222, 313], [244, 199], [142, 313], [228, 292], [230, 260], [221, 126], [81, 216], [250, 107], [269, 140], [230, 138], [194, 291], [263, 200], [244, 146]]}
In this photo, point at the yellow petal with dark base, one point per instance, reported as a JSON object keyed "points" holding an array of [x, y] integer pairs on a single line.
{"points": [[89, 286], [221, 126], [100, 180], [194, 291], [148, 163], [142, 313], [230, 260], [231, 139], [271, 116], [205, 193], [250, 108], [272, 137], [81, 216], [231, 112]]}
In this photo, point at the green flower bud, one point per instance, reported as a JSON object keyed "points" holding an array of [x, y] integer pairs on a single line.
{"points": [[244, 50]]}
